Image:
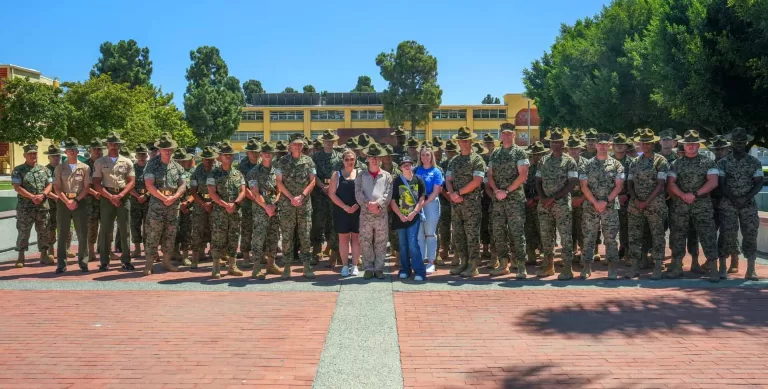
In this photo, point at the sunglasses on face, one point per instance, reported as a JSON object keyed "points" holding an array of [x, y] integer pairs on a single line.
{"points": [[348, 159]]}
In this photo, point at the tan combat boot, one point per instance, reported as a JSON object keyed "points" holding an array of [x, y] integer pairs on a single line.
{"points": [[257, 272], [675, 270], [334, 259], [714, 274], [327, 251], [613, 270], [271, 268], [247, 260], [567, 272], [547, 268], [657, 270], [20, 260], [286, 271], [522, 272], [185, 258], [46, 258], [195, 259], [471, 270], [734, 268], [634, 272], [167, 263], [92, 253], [216, 270], [460, 266], [136, 251], [586, 270], [317, 254], [596, 257], [232, 269], [723, 268], [443, 256], [751, 272], [494, 261], [502, 269], [70, 253], [695, 267], [148, 264], [308, 274], [532, 257]]}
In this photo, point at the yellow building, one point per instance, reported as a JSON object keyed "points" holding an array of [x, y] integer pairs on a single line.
{"points": [[277, 116], [12, 154]]}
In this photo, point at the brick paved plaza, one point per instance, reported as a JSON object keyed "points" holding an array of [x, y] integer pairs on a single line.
{"points": [[117, 329]]}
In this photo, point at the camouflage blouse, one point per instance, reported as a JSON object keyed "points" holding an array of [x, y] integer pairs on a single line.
{"points": [[504, 163], [34, 179], [295, 172], [263, 180], [625, 162], [326, 164], [463, 168], [576, 192], [644, 173], [601, 176], [170, 176], [227, 183], [554, 172], [691, 173], [739, 173], [530, 183], [199, 178]]}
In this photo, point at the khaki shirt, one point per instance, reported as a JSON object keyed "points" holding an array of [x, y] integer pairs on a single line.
{"points": [[70, 182], [113, 174]]}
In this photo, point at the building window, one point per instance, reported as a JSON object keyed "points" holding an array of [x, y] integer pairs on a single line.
{"points": [[444, 134], [314, 134], [489, 113], [326, 115], [252, 116], [286, 116], [367, 115], [420, 134], [447, 114], [284, 136], [243, 136], [494, 133]]}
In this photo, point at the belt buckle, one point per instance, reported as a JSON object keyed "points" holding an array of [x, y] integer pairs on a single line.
{"points": [[206, 196], [113, 190], [141, 191], [166, 192], [71, 195], [327, 181]]}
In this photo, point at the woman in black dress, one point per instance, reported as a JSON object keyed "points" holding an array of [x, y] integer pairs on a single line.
{"points": [[346, 212]]}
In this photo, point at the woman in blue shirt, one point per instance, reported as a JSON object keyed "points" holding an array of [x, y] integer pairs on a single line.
{"points": [[433, 181]]}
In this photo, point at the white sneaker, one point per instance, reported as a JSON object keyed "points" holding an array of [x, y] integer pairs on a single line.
{"points": [[345, 271], [355, 271], [431, 268], [418, 278], [403, 276]]}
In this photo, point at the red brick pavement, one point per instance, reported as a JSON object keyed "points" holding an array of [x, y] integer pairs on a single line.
{"points": [[121, 339], [616, 338]]}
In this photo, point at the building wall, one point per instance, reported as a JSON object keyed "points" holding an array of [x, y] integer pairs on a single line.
{"points": [[267, 128]]}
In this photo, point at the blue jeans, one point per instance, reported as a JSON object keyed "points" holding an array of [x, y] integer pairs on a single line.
{"points": [[427, 237], [410, 254]]}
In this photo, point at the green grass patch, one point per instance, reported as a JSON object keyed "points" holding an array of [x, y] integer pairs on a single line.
{"points": [[6, 185]]}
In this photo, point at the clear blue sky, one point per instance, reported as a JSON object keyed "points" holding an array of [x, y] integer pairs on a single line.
{"points": [[481, 46]]}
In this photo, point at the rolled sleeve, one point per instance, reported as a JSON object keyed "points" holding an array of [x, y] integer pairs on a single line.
{"points": [[253, 184], [448, 174], [714, 171], [662, 175], [278, 172], [671, 175], [630, 177], [523, 162], [478, 173], [571, 174], [758, 173], [210, 181], [538, 173], [582, 176], [193, 182], [149, 176]]}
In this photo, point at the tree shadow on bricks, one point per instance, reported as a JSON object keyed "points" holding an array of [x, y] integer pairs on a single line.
{"points": [[545, 375], [692, 312]]}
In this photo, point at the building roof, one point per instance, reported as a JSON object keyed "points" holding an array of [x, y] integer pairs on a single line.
{"points": [[309, 99]]}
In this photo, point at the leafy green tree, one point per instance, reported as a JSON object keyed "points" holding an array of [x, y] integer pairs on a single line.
{"points": [[31, 111], [290, 90], [125, 62], [309, 89], [488, 99], [213, 100], [413, 92], [364, 85], [250, 88]]}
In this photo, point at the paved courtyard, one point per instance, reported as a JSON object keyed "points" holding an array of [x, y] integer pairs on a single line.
{"points": [[118, 329]]}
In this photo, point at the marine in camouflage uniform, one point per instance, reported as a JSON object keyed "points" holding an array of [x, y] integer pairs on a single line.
{"points": [[201, 212], [139, 201], [326, 161], [399, 149], [620, 140], [486, 206], [226, 187], [508, 168], [532, 232], [741, 176], [602, 178], [444, 223], [721, 148], [252, 149], [32, 182], [646, 181], [54, 154], [689, 177], [184, 233], [590, 139], [692, 241], [93, 201], [373, 192], [296, 178], [575, 147], [262, 184], [389, 166], [165, 179], [556, 175], [464, 175]]}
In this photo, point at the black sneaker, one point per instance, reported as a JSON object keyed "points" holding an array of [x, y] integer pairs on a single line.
{"points": [[60, 270], [103, 267], [128, 266]]}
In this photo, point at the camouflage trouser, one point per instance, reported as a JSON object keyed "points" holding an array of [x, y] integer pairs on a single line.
{"points": [[322, 221], [444, 224], [577, 232], [225, 235], [161, 228], [641, 222], [532, 233], [94, 217], [509, 227], [745, 218], [623, 231], [465, 219], [184, 233], [556, 218], [698, 216], [138, 220], [25, 218], [374, 233], [591, 225], [266, 233], [692, 240], [295, 224], [722, 250], [485, 222], [201, 228], [246, 226]]}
